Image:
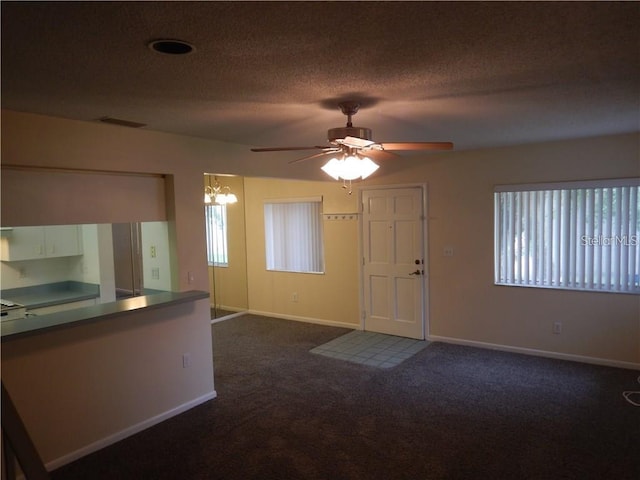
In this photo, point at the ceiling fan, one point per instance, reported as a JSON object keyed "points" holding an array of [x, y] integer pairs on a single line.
{"points": [[352, 147]]}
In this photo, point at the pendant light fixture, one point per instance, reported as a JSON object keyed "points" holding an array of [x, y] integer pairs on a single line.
{"points": [[218, 194]]}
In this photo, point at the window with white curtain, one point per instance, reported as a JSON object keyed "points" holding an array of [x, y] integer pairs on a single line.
{"points": [[571, 235], [216, 227], [293, 235]]}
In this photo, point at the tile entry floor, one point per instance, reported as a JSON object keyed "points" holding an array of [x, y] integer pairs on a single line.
{"points": [[370, 348]]}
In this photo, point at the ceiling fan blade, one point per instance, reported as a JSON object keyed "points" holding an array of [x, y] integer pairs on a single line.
{"points": [[284, 149], [417, 146], [374, 154], [327, 151]]}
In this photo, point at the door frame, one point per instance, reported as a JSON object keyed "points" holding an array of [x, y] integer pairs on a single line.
{"points": [[426, 305]]}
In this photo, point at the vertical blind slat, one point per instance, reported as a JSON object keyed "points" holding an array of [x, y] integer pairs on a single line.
{"points": [[624, 233], [548, 237], [556, 215], [533, 229], [524, 239], [571, 234], [580, 225], [607, 230], [539, 238], [634, 250], [597, 233], [510, 236], [589, 233]]}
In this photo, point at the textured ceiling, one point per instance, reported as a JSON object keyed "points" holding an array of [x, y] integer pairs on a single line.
{"points": [[271, 74]]}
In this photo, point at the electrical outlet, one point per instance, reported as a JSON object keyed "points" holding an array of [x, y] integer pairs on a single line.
{"points": [[557, 328], [448, 251], [186, 360], [153, 251], [22, 273], [294, 297]]}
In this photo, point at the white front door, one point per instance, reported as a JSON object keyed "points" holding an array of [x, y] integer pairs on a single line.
{"points": [[393, 265]]}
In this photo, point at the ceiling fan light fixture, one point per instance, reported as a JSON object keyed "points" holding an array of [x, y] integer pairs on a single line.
{"points": [[350, 167], [333, 168], [367, 167]]}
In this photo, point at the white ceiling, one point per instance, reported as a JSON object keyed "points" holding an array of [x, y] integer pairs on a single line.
{"points": [[271, 73]]}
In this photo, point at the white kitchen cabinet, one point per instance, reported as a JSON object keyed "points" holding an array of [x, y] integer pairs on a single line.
{"points": [[23, 243], [28, 243], [62, 240]]}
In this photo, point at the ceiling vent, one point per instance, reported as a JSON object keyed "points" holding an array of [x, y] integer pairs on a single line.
{"points": [[171, 47]]}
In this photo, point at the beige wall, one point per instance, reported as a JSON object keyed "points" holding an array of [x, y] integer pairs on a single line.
{"points": [[92, 382], [464, 303], [332, 297], [54, 195], [101, 380]]}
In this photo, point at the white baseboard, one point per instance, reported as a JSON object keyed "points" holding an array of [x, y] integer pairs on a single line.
{"points": [[127, 432], [471, 343], [297, 318], [228, 317], [538, 353], [228, 308]]}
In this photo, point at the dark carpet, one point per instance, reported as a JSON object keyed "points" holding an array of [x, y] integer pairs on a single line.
{"points": [[448, 412]]}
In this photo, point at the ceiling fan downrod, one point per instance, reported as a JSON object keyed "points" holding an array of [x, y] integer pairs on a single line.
{"points": [[349, 109]]}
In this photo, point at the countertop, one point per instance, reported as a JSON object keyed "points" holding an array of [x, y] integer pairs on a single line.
{"points": [[22, 327], [48, 294]]}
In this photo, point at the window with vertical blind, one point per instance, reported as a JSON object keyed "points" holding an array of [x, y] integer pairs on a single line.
{"points": [[571, 235], [293, 235], [216, 228]]}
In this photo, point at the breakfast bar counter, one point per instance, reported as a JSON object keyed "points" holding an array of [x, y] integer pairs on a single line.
{"points": [[35, 325]]}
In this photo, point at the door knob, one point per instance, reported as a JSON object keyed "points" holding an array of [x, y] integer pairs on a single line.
{"points": [[417, 272]]}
